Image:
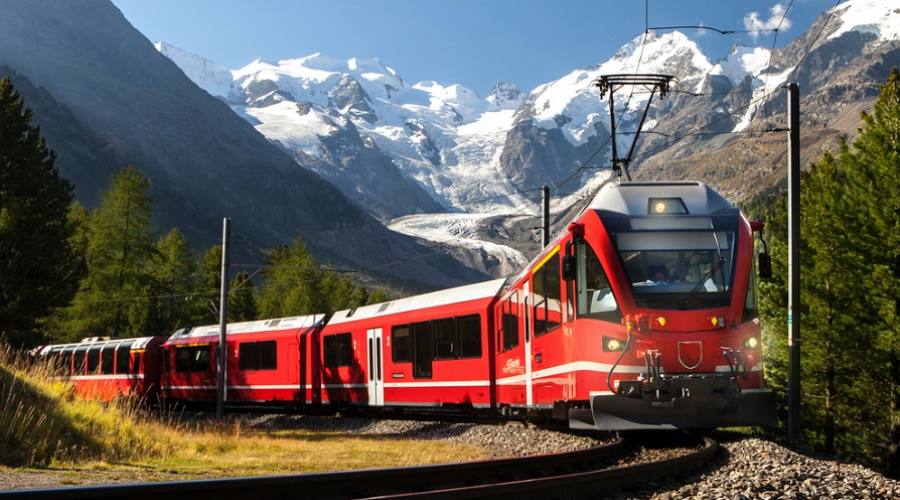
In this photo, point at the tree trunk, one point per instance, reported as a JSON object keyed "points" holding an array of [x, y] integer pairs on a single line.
{"points": [[829, 405]]}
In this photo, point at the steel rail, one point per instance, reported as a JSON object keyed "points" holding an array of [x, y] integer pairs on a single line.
{"points": [[588, 484], [347, 484]]}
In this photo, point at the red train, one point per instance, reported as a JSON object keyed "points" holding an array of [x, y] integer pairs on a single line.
{"points": [[641, 314]]}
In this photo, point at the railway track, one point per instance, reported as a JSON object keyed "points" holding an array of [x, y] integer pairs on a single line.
{"points": [[579, 474]]}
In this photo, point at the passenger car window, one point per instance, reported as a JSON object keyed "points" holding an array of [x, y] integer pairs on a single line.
{"points": [[469, 328], [444, 338], [401, 344], [107, 359], [338, 350], [511, 323], [547, 295], [423, 349], [123, 356]]}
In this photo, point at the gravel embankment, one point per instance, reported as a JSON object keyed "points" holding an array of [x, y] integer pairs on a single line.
{"points": [[509, 439], [756, 468]]}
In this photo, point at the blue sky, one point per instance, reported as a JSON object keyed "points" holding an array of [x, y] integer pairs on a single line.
{"points": [[475, 43]]}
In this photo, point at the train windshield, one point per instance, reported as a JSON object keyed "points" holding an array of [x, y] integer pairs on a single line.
{"points": [[679, 269]]}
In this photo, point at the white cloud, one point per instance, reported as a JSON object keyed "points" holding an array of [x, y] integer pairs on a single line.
{"points": [[755, 25]]}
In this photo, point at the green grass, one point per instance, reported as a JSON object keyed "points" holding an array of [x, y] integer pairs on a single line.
{"points": [[45, 426]]}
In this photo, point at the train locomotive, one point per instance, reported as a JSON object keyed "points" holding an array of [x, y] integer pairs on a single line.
{"points": [[640, 314]]}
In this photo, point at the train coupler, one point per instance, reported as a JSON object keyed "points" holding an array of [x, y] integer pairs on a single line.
{"points": [[682, 401]]}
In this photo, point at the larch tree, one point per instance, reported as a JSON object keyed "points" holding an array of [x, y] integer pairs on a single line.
{"points": [[177, 278], [115, 298]]}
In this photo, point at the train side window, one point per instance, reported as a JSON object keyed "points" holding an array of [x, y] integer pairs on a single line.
{"points": [[257, 355], [199, 358], [248, 356], [469, 328], [78, 367], [123, 356], [547, 296], [190, 359], [444, 338], [182, 359], [595, 296], [423, 349], [107, 358], [93, 359], [338, 350], [401, 344], [510, 324], [66, 361], [268, 355], [136, 365]]}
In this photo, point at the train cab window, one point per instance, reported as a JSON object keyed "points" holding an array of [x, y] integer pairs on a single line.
{"points": [[547, 296], [444, 338], [595, 296], [257, 355], [136, 363], [401, 344], [423, 349], [93, 359], [469, 328], [192, 358], [78, 365], [107, 358], [510, 323], [338, 350], [123, 356]]}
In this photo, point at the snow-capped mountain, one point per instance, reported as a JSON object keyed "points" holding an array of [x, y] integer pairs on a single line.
{"points": [[402, 149]]}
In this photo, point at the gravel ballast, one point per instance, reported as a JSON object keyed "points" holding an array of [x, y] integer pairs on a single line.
{"points": [[503, 440], [756, 468]]}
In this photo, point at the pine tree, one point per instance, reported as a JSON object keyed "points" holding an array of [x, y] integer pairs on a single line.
{"points": [[874, 164], [115, 298], [39, 269]]}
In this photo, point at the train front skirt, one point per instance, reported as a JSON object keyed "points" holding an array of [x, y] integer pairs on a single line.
{"points": [[697, 401]]}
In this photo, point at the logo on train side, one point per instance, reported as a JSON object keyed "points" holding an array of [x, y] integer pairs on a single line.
{"points": [[514, 366]]}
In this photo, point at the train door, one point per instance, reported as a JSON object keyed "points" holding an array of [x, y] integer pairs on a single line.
{"points": [[526, 315], [375, 383]]}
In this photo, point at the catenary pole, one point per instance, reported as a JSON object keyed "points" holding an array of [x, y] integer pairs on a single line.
{"points": [[545, 215], [794, 303], [223, 322]]}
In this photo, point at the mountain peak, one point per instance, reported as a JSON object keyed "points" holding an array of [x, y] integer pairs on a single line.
{"points": [[504, 94]]}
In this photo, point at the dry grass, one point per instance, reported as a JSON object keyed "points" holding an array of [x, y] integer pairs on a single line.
{"points": [[44, 425]]}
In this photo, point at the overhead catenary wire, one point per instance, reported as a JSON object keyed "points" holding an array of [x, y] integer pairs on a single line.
{"points": [[769, 64]]}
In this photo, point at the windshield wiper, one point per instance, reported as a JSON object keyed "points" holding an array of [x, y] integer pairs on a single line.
{"points": [[709, 274]]}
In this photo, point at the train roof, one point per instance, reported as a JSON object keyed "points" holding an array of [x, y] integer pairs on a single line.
{"points": [[265, 325], [136, 343], [633, 198], [456, 295]]}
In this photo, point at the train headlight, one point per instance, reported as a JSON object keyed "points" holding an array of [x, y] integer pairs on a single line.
{"points": [[666, 206], [751, 342], [717, 321], [612, 345], [661, 320]]}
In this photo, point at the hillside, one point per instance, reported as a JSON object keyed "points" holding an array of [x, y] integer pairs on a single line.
{"points": [[204, 161]]}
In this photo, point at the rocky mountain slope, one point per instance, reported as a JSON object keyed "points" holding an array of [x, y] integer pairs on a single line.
{"points": [[204, 161], [486, 156]]}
